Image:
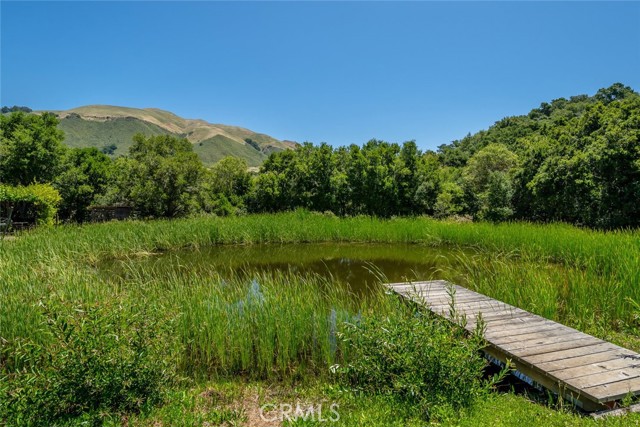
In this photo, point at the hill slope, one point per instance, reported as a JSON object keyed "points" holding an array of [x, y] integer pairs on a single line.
{"points": [[104, 125]]}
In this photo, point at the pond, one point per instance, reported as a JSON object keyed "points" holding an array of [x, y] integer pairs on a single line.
{"points": [[356, 265]]}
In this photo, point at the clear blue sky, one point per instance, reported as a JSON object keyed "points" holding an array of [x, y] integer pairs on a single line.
{"points": [[336, 72]]}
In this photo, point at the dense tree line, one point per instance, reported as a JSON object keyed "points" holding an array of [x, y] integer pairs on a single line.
{"points": [[575, 160]]}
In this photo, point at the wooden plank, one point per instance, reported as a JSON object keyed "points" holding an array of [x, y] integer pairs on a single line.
{"points": [[488, 317], [513, 314], [496, 322], [461, 299], [403, 287], [567, 354], [604, 378], [551, 331], [568, 390], [515, 328], [497, 333], [479, 306], [471, 308], [614, 391], [439, 303], [431, 293], [515, 322], [548, 382], [517, 346], [473, 315], [473, 312], [425, 283], [555, 347], [447, 293], [596, 368], [589, 371], [446, 299], [582, 360], [434, 290]]}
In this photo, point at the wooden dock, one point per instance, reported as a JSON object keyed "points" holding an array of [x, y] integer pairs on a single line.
{"points": [[592, 373]]}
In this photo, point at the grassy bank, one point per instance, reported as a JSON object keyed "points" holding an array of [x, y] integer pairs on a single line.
{"points": [[283, 329], [597, 284]]}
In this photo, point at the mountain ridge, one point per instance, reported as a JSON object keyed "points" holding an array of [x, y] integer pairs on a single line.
{"points": [[112, 127]]}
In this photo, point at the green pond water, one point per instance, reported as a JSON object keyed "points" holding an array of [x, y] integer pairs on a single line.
{"points": [[357, 266]]}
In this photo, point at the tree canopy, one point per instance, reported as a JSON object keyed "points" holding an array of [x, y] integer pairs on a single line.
{"points": [[160, 177], [575, 160], [30, 148]]}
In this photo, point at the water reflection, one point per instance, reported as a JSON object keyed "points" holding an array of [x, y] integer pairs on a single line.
{"points": [[358, 266]]}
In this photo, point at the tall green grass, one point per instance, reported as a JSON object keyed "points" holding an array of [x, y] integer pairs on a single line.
{"points": [[269, 326], [574, 275], [285, 326], [57, 362]]}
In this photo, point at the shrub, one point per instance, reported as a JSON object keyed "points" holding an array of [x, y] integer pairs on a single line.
{"points": [[414, 357], [39, 200], [47, 200], [101, 359]]}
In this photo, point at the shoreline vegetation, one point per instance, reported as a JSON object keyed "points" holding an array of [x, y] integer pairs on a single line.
{"points": [[145, 349], [78, 347]]}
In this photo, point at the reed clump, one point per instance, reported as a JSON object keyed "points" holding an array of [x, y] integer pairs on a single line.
{"points": [[597, 280]]}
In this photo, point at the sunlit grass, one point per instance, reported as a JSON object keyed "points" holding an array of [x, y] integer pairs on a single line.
{"points": [[284, 326], [598, 279]]}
